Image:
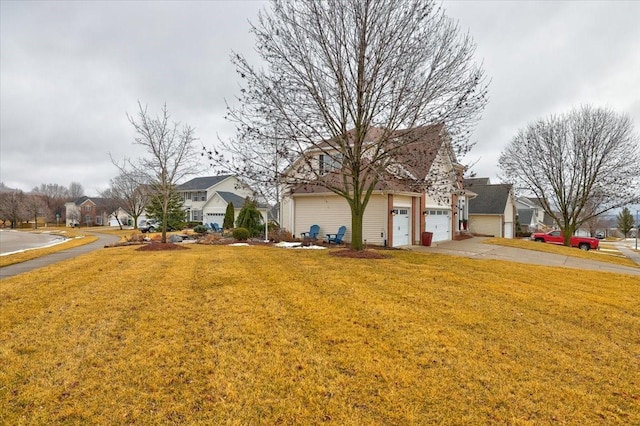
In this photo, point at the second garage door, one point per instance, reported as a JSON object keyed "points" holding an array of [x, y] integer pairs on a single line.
{"points": [[438, 221]]}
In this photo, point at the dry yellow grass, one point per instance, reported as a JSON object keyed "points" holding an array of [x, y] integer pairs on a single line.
{"points": [[258, 335], [608, 254], [75, 238]]}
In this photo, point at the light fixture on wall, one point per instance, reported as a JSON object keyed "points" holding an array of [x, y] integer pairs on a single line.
{"points": [[425, 212], [393, 212]]}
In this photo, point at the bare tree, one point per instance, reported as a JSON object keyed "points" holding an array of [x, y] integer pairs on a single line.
{"points": [[131, 189], [579, 165], [13, 207], [35, 207], [54, 196], [337, 70], [171, 155], [76, 190], [111, 203]]}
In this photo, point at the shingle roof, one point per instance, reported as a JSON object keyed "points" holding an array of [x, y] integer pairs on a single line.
{"points": [[202, 183], [237, 200], [420, 147], [491, 199], [524, 216], [476, 181]]}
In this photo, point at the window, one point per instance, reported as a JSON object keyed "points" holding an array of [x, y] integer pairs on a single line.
{"points": [[196, 215], [329, 163], [188, 195], [87, 208]]}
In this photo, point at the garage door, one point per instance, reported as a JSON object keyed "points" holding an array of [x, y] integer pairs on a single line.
{"points": [[508, 230], [438, 221], [401, 227]]}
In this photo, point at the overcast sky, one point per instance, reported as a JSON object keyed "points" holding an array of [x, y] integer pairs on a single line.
{"points": [[70, 71]]}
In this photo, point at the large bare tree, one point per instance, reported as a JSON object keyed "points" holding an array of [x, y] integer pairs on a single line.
{"points": [[171, 155], [579, 164], [334, 70]]}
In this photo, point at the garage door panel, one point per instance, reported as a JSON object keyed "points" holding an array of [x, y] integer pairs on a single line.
{"points": [[438, 221]]}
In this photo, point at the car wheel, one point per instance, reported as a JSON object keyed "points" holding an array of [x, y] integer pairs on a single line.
{"points": [[152, 229], [584, 246]]}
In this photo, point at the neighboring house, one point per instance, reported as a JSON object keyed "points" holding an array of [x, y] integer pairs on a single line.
{"points": [[85, 211], [396, 214], [531, 215], [206, 198], [493, 211]]}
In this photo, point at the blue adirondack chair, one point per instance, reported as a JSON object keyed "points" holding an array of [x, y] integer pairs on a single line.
{"points": [[337, 238], [314, 230], [216, 227]]}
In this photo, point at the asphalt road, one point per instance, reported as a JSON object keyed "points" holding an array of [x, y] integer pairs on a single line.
{"points": [[13, 241], [18, 268]]}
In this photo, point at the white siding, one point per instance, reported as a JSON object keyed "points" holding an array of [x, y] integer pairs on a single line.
{"points": [[331, 211]]}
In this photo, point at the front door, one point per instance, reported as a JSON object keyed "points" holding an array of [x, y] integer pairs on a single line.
{"points": [[401, 227]]}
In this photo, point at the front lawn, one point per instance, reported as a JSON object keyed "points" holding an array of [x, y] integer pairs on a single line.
{"points": [[260, 335]]}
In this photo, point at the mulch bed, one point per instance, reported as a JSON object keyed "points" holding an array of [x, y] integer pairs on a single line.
{"points": [[161, 247]]}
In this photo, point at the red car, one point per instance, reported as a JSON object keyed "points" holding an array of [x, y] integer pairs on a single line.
{"points": [[556, 237]]}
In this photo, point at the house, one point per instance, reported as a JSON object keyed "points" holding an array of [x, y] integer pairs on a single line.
{"points": [[86, 211], [398, 213], [531, 215], [205, 199], [493, 210]]}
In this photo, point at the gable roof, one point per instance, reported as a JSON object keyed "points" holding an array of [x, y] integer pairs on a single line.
{"points": [[476, 181], [230, 197], [202, 183], [237, 200], [491, 199], [525, 216], [415, 157]]}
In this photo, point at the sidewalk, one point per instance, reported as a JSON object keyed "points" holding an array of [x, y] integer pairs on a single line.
{"points": [[474, 248], [18, 268], [633, 255]]}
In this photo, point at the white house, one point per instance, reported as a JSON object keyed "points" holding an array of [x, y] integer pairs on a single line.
{"points": [[206, 198], [397, 213]]}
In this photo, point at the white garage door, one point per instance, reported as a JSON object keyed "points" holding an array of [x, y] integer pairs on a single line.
{"points": [[438, 221], [401, 227]]}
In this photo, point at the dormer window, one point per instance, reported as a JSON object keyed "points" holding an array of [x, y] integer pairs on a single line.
{"points": [[329, 163]]}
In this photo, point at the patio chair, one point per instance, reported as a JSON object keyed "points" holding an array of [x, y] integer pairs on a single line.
{"points": [[337, 238], [216, 228], [312, 234]]}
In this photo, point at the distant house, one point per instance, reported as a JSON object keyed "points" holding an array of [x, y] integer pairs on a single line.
{"points": [[492, 212], [398, 213], [531, 215], [206, 198], [86, 211]]}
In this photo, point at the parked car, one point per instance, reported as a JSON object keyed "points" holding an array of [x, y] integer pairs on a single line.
{"points": [[600, 235], [149, 225], [556, 237]]}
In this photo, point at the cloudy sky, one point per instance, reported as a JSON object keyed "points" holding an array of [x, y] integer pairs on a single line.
{"points": [[71, 71]]}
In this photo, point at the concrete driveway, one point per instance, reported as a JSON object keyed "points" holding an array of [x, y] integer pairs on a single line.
{"points": [[474, 248]]}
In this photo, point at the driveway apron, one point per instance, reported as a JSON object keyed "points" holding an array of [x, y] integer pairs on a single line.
{"points": [[474, 248]]}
